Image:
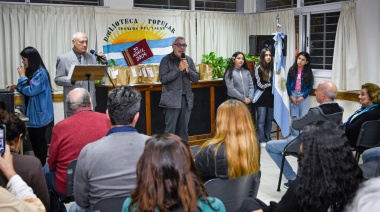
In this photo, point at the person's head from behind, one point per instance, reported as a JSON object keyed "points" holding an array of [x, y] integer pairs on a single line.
{"points": [[326, 92], [166, 176], [78, 98], [369, 94], [80, 42], [32, 60], [16, 129], [123, 106], [328, 172], [367, 197], [234, 128]]}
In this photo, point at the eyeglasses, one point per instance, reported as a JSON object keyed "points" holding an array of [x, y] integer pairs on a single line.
{"points": [[82, 42], [180, 45]]}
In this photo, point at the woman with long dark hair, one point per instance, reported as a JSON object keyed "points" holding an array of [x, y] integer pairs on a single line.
{"points": [[167, 179], [37, 104], [238, 79], [328, 174], [299, 85], [263, 81]]}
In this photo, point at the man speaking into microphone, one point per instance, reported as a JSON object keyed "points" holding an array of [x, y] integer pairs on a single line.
{"points": [[78, 55], [176, 71]]}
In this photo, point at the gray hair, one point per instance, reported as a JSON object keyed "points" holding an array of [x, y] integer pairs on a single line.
{"points": [[367, 197], [328, 89], [178, 38], [78, 98], [77, 35]]}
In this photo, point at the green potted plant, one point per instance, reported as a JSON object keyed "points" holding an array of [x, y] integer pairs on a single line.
{"points": [[252, 61], [218, 64]]}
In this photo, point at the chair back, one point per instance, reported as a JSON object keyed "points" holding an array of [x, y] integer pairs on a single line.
{"points": [[70, 178], [293, 147], [233, 192], [369, 135], [110, 204]]}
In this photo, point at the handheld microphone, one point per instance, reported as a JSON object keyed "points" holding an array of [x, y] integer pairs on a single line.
{"points": [[183, 56], [95, 53]]}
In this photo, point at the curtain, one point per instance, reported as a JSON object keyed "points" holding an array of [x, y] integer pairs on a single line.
{"points": [[189, 33], [221, 33], [346, 74], [48, 29], [265, 24], [12, 37]]}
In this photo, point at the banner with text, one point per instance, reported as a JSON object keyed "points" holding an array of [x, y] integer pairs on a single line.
{"points": [[120, 30]]}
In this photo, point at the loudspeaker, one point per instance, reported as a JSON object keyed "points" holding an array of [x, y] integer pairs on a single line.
{"points": [[7, 100], [259, 42]]}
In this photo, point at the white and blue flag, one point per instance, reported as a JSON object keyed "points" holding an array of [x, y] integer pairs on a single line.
{"points": [[281, 98]]}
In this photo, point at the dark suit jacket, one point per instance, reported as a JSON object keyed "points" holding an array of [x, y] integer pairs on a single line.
{"points": [[353, 129], [64, 63]]}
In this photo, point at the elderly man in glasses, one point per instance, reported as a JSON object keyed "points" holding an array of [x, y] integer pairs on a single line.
{"points": [[176, 71]]}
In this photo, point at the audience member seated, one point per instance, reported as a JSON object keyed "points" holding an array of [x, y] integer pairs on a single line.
{"points": [[367, 197], [234, 150], [18, 196], [328, 174], [28, 167], [327, 110], [71, 135], [107, 167], [369, 98], [167, 179]]}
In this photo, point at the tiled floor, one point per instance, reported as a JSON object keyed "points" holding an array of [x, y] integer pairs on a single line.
{"points": [[269, 178]]}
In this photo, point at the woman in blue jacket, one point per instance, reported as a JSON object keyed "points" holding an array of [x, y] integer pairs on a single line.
{"points": [[299, 84], [37, 104]]}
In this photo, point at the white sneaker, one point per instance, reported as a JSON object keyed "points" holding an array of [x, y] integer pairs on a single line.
{"points": [[263, 145]]}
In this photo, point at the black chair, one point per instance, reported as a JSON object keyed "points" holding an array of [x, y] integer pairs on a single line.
{"points": [[369, 137], [109, 204], [293, 149], [233, 192], [56, 202]]}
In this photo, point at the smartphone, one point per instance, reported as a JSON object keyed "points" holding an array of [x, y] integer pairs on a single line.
{"points": [[2, 139]]}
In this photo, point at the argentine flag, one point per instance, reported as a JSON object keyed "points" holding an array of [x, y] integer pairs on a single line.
{"points": [[281, 98]]}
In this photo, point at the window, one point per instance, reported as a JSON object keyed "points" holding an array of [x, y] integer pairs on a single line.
{"points": [[163, 4], [207, 5], [216, 5], [280, 4], [322, 39], [68, 2], [315, 2]]}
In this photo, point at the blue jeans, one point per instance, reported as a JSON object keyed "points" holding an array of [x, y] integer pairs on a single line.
{"points": [[76, 208], [372, 154], [264, 123], [275, 149], [298, 110]]}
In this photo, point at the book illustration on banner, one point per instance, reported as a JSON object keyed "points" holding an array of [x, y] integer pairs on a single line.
{"points": [[137, 53]]}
